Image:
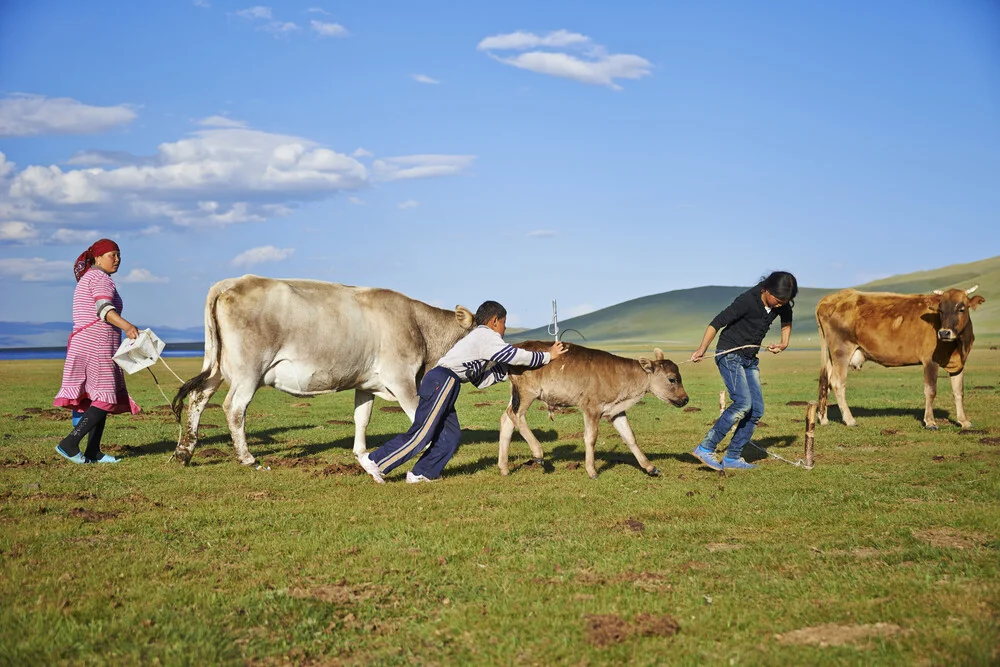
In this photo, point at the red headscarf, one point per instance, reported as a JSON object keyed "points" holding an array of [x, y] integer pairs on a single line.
{"points": [[86, 260]]}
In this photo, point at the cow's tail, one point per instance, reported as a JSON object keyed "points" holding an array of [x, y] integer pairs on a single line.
{"points": [[213, 348], [824, 373]]}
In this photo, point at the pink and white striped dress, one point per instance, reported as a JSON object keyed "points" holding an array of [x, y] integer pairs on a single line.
{"points": [[90, 376]]}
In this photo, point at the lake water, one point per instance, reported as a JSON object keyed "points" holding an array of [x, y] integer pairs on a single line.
{"points": [[12, 353]]}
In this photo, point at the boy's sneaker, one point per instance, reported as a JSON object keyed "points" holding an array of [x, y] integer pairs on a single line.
{"points": [[371, 468], [737, 464], [76, 458], [104, 458], [706, 457], [417, 479]]}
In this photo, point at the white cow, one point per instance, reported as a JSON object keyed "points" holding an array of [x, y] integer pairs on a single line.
{"points": [[307, 337]]}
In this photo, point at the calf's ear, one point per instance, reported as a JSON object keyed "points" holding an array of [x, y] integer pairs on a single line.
{"points": [[464, 317], [658, 354], [975, 301], [646, 364]]}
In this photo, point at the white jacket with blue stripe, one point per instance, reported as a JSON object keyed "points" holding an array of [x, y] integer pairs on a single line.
{"points": [[483, 357]]}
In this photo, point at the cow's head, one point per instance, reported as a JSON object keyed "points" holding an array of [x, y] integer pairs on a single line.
{"points": [[953, 308], [665, 379]]}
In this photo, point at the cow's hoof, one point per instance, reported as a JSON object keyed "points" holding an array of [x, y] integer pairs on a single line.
{"points": [[931, 427], [593, 477], [655, 472], [182, 456], [248, 461], [504, 472], [539, 462], [851, 424]]}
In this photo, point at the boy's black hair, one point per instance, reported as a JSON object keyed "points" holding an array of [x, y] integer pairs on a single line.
{"points": [[782, 285], [488, 310]]}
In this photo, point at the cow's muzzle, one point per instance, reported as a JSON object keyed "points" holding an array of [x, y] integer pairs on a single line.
{"points": [[946, 334], [680, 402]]}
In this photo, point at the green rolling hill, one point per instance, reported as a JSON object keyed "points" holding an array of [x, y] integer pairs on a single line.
{"points": [[676, 320]]}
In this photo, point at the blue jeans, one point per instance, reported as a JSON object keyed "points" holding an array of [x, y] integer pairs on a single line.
{"points": [[742, 378]]}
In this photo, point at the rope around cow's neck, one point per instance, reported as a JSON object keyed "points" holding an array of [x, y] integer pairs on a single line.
{"points": [[718, 354]]}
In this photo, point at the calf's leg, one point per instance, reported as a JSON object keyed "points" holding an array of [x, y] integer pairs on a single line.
{"points": [[363, 403], [506, 433], [521, 419], [930, 391], [620, 422], [590, 422], [958, 388]]}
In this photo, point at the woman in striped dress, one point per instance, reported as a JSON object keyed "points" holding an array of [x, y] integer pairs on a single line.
{"points": [[92, 382]]}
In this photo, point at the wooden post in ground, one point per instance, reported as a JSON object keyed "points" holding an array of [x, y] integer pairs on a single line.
{"points": [[810, 433]]}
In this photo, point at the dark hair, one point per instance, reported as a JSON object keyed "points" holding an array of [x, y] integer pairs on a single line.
{"points": [[488, 310], [782, 285]]}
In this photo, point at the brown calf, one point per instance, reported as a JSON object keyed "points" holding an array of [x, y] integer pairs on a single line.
{"points": [[934, 330], [600, 384]]}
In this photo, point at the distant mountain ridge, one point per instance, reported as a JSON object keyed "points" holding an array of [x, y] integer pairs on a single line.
{"points": [[674, 319]]}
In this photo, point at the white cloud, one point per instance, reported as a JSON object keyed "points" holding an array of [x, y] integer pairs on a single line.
{"points": [[143, 276], [542, 233], [221, 174], [357, 201], [219, 121], [258, 12], [267, 253], [328, 29], [520, 41], [419, 166], [317, 10], [16, 231], [361, 152], [75, 236], [423, 78], [592, 64], [409, 203], [279, 28], [24, 115], [204, 4], [36, 269]]}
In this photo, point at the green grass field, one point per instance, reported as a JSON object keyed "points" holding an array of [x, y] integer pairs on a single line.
{"points": [[887, 552]]}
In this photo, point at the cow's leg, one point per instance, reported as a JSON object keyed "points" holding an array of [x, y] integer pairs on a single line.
{"points": [[363, 403], [824, 391], [958, 388], [930, 392], [590, 422], [506, 433], [838, 380], [235, 405], [620, 422], [197, 400], [526, 433]]}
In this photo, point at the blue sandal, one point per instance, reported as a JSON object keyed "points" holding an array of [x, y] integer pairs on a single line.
{"points": [[77, 458], [105, 458]]}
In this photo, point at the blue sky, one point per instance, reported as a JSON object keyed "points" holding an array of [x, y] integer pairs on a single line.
{"points": [[519, 151]]}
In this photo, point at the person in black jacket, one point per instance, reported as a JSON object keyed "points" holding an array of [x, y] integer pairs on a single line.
{"points": [[744, 324]]}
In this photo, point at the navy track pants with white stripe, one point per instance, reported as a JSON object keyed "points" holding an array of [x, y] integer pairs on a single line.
{"points": [[435, 430]]}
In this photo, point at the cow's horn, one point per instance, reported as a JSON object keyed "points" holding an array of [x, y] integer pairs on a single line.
{"points": [[971, 289], [939, 292]]}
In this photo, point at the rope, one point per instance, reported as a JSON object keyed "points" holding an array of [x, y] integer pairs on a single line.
{"points": [[165, 398], [719, 354], [798, 464]]}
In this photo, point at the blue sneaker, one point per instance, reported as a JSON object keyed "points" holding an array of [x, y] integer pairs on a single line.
{"points": [[77, 458], [737, 464], [706, 457], [105, 458]]}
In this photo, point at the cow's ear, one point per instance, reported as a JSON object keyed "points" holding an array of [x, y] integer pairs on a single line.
{"points": [[464, 317], [646, 364], [658, 354], [933, 303], [975, 301]]}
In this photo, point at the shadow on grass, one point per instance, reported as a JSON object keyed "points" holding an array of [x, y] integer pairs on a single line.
{"points": [[917, 413], [221, 439]]}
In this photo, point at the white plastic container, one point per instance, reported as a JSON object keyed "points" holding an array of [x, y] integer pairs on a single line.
{"points": [[144, 351]]}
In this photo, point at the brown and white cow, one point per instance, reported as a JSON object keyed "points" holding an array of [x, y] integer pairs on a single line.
{"points": [[306, 337], [934, 330], [601, 384]]}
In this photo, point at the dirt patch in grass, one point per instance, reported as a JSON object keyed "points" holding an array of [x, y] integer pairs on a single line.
{"points": [[339, 422], [713, 547], [692, 408], [296, 462], [339, 469], [259, 495], [631, 525], [832, 634], [572, 465], [606, 629], [483, 404], [989, 441], [974, 431], [301, 405], [794, 403], [212, 453], [390, 408], [341, 593], [90, 516], [950, 538], [21, 463], [984, 386], [890, 431]]}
